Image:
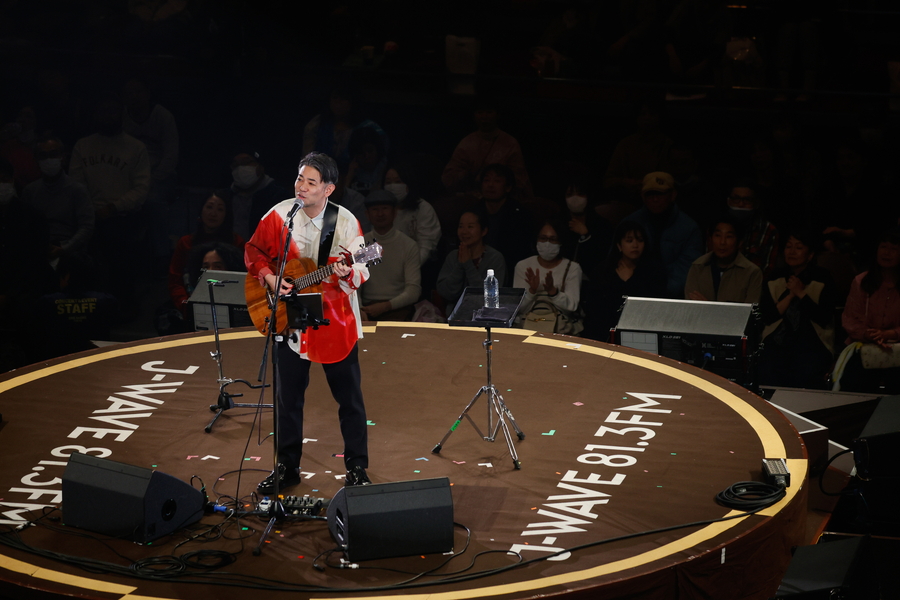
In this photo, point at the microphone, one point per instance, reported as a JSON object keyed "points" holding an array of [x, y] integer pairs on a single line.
{"points": [[298, 204]]}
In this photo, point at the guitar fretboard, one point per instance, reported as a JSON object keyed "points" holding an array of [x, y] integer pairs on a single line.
{"points": [[317, 276]]}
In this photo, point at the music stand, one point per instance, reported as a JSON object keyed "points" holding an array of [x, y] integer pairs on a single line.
{"points": [[470, 312], [225, 400]]}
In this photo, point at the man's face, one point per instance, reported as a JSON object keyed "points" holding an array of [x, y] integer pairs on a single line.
{"points": [[381, 216], [658, 202], [310, 189], [742, 197], [494, 187], [723, 241]]}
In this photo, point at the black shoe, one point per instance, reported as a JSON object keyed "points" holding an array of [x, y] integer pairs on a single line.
{"points": [[286, 478], [357, 476]]}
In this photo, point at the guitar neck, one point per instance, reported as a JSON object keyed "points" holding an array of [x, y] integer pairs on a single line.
{"points": [[315, 277]]}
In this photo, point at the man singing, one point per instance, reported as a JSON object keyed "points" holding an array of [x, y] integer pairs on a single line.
{"points": [[335, 345]]}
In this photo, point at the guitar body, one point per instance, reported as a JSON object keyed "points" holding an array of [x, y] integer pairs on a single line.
{"points": [[260, 299]]}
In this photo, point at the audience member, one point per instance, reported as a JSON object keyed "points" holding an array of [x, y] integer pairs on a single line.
{"points": [[392, 288], [368, 161], [155, 126], [79, 312], [253, 193], [488, 145], [759, 243], [552, 285], [115, 169], [798, 305], [65, 204], [214, 225], [871, 319], [213, 256], [671, 236], [468, 265], [640, 153], [587, 236], [724, 274], [330, 131], [508, 223], [628, 271], [112, 165], [415, 216]]}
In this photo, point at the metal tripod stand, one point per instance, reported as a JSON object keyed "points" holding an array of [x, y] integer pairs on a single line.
{"points": [[499, 417], [225, 400]]}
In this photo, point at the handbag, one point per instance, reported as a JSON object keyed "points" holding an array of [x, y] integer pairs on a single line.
{"points": [[874, 356], [546, 317]]}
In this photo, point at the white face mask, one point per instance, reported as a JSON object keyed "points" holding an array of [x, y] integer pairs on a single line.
{"points": [[7, 192], [50, 166], [245, 176], [576, 204], [399, 190], [548, 250]]}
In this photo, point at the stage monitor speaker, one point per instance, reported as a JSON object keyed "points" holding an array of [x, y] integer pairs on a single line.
{"points": [[829, 570], [125, 501], [721, 337], [393, 519], [877, 449]]}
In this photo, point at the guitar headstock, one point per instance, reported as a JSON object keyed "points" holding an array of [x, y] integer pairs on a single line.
{"points": [[370, 254]]}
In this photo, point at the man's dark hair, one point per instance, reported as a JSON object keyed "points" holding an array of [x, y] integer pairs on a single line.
{"points": [[739, 228], [322, 163], [501, 170]]}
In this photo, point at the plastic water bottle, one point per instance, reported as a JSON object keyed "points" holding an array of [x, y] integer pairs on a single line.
{"points": [[491, 291]]}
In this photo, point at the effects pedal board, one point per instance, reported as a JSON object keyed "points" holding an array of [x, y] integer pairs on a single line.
{"points": [[304, 505]]}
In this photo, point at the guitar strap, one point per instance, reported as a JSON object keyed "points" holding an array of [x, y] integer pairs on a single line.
{"points": [[326, 240]]}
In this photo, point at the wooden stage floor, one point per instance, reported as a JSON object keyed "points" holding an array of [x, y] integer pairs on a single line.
{"points": [[618, 443]]}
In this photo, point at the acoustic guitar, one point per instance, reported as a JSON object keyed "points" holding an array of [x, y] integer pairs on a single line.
{"points": [[304, 277]]}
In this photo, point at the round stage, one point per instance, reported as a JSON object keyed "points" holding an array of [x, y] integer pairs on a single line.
{"points": [[617, 443]]}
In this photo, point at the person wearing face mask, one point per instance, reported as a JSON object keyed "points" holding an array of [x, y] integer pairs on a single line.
{"points": [[65, 204], [549, 277], [415, 216], [254, 193], [759, 242], [587, 236]]}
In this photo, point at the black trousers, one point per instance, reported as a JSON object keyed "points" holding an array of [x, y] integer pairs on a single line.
{"points": [[344, 380]]}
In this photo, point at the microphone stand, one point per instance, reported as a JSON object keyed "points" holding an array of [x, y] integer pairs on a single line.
{"points": [[276, 510]]}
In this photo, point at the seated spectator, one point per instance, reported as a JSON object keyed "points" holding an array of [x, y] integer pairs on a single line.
{"points": [[79, 312], [253, 193], [628, 271], [330, 131], [509, 225], [550, 279], [724, 274], [368, 161], [392, 288], [65, 203], [213, 256], [468, 265], [415, 216], [640, 153], [587, 235], [871, 319], [487, 146], [798, 305], [214, 225], [671, 236], [759, 242]]}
